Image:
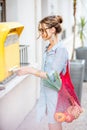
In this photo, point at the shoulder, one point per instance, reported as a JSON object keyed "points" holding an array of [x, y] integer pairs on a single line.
{"points": [[61, 51], [61, 48]]}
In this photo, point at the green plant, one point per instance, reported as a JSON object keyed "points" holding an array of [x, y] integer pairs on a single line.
{"points": [[55, 84], [82, 29]]}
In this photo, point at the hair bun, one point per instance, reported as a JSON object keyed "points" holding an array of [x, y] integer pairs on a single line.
{"points": [[59, 18]]}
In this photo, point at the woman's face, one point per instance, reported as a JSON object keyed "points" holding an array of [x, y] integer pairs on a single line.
{"points": [[45, 32]]}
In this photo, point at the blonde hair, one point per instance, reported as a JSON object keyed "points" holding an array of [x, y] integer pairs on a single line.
{"points": [[52, 21]]}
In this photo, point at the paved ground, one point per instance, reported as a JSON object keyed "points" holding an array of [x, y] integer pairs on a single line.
{"points": [[80, 124]]}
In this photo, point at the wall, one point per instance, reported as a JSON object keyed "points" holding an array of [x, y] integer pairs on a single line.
{"points": [[17, 103], [11, 10]]}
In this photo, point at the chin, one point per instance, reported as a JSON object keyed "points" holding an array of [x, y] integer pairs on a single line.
{"points": [[45, 39]]}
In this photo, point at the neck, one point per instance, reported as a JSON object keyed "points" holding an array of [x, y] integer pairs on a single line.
{"points": [[53, 40]]}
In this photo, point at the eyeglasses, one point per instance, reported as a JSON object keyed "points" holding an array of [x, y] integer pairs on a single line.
{"points": [[42, 30]]}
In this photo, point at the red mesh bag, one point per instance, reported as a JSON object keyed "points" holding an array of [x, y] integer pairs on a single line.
{"points": [[68, 106]]}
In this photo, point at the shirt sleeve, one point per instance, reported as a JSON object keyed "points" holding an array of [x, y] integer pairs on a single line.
{"points": [[60, 62]]}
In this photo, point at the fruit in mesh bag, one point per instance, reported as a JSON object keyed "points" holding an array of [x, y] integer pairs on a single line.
{"points": [[60, 117], [74, 110], [63, 117], [69, 117]]}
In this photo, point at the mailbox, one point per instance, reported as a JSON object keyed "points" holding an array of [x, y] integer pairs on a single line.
{"points": [[9, 48]]}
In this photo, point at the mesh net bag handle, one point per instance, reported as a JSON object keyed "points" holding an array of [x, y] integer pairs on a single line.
{"points": [[68, 106]]}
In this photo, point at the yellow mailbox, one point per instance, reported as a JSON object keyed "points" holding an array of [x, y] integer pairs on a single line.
{"points": [[9, 48]]}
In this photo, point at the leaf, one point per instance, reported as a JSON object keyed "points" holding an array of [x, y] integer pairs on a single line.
{"points": [[82, 29], [56, 84]]}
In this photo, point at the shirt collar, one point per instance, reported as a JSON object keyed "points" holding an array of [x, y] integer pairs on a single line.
{"points": [[54, 47]]}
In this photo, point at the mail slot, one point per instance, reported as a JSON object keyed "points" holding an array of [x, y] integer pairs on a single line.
{"points": [[9, 48]]}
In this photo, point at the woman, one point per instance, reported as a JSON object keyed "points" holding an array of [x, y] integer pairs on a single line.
{"points": [[54, 59]]}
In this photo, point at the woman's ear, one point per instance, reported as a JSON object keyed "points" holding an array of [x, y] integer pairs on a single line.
{"points": [[53, 30]]}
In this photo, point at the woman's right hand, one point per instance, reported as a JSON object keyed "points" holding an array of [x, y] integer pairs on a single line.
{"points": [[24, 70], [20, 71]]}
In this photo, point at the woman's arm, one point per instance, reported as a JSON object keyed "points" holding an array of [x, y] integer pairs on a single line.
{"points": [[30, 70]]}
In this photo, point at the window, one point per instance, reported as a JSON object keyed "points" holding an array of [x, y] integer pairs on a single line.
{"points": [[2, 11]]}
